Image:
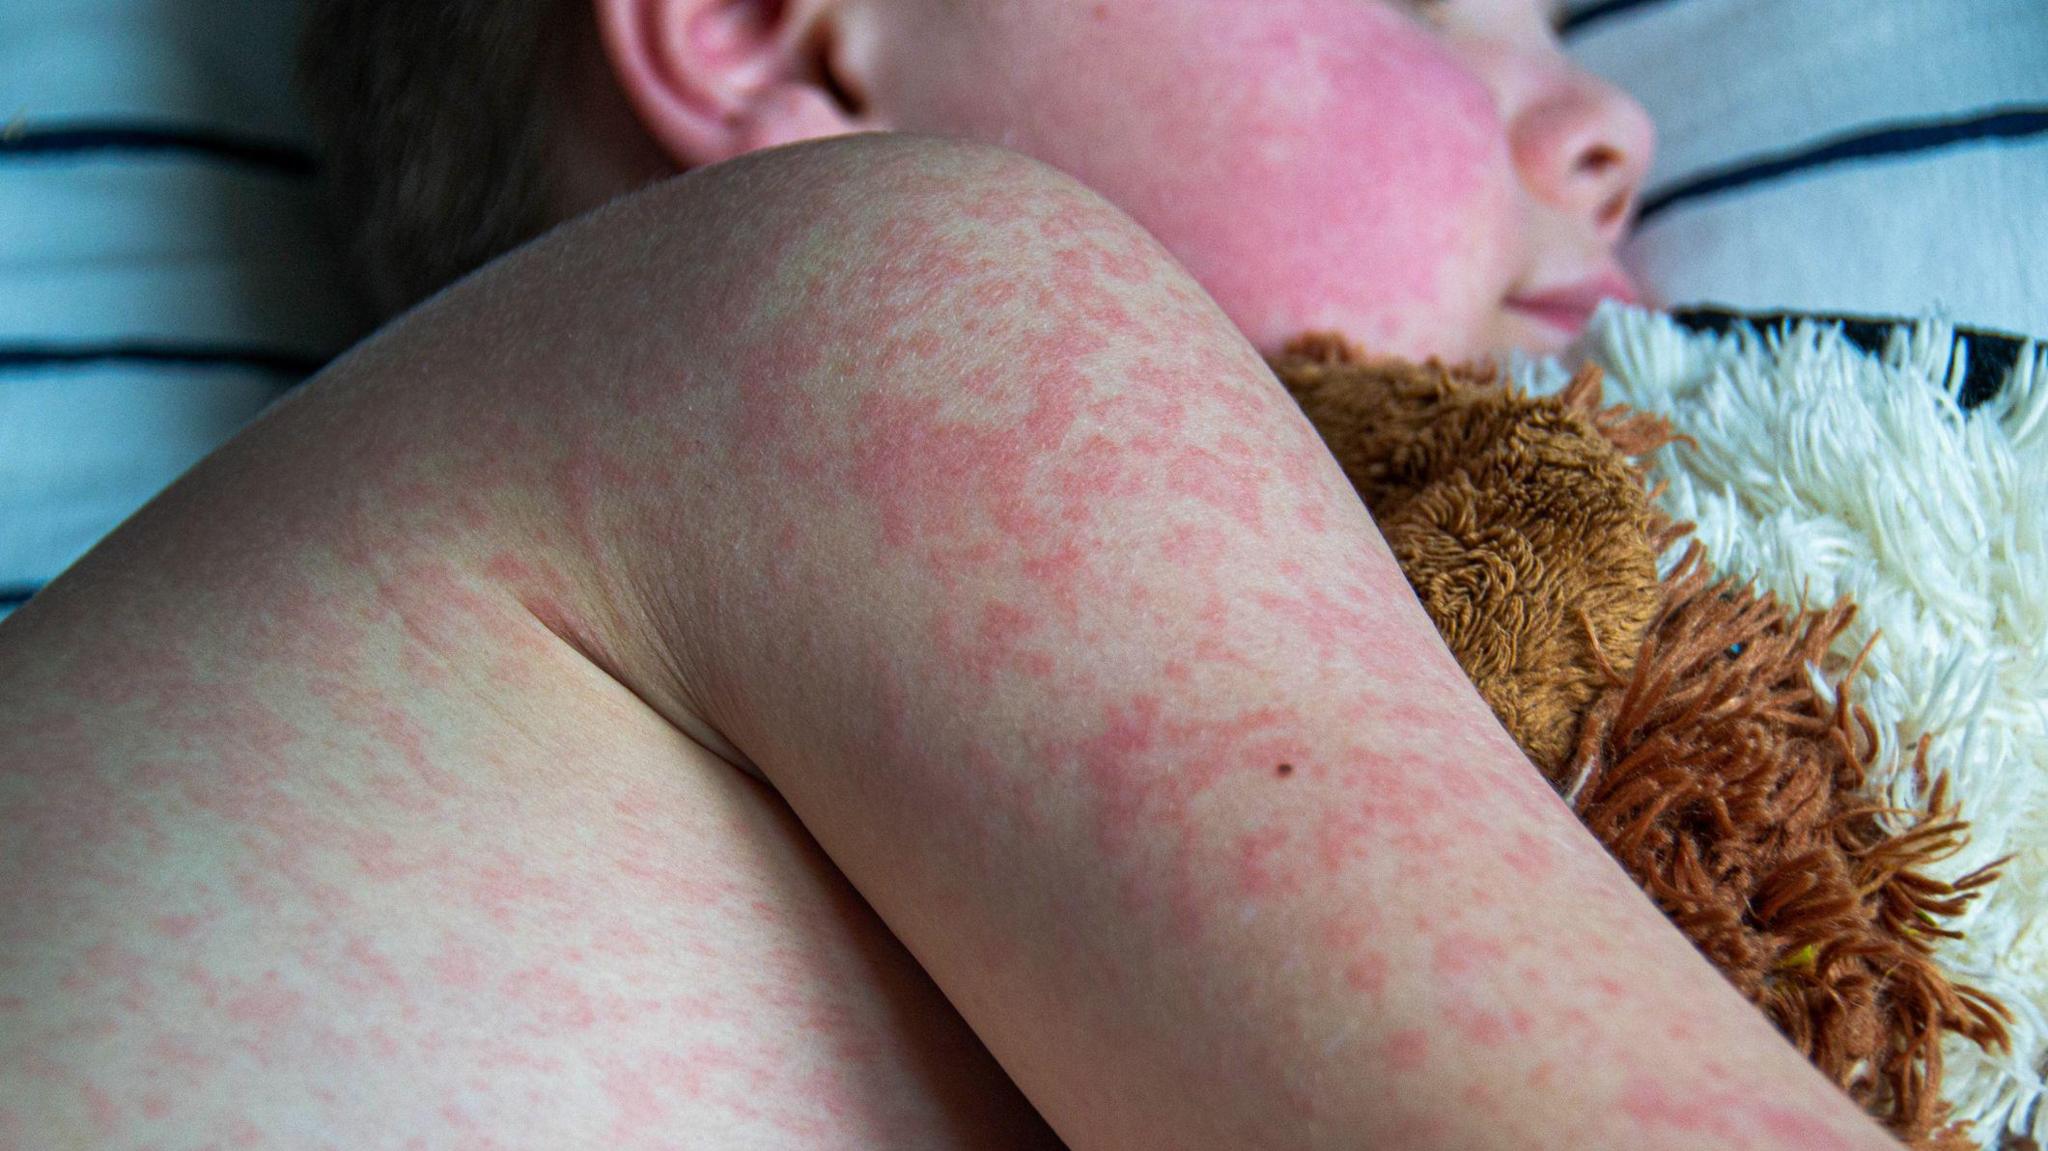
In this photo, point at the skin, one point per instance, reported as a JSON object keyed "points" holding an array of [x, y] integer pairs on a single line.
{"points": [[1401, 172], [849, 648], [403, 776]]}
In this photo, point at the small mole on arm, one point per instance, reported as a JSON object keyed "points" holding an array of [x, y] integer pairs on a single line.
{"points": [[1284, 770]]}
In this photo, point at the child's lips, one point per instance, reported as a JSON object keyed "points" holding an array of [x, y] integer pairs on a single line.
{"points": [[1570, 307]]}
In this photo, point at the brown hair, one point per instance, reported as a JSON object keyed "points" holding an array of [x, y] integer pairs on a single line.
{"points": [[433, 120]]}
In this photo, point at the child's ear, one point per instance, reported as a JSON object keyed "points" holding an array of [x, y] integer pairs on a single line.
{"points": [[714, 79]]}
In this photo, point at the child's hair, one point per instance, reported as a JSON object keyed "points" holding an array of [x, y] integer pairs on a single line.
{"points": [[433, 117]]}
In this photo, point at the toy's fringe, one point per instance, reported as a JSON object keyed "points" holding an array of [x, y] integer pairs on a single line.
{"points": [[1732, 791], [1906, 465], [1729, 790]]}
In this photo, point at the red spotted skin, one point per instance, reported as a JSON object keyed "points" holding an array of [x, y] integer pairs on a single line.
{"points": [[763, 711]]}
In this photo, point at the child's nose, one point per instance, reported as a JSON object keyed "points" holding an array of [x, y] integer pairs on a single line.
{"points": [[1584, 147]]}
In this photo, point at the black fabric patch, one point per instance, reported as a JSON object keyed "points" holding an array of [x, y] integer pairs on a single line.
{"points": [[1991, 355], [1869, 143]]}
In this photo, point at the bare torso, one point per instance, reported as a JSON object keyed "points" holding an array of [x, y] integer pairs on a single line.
{"points": [[325, 828]]}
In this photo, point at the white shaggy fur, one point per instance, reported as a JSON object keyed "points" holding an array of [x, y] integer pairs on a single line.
{"points": [[1823, 471]]}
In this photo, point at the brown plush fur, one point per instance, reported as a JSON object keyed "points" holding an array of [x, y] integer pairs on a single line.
{"points": [[1481, 493], [1676, 715]]}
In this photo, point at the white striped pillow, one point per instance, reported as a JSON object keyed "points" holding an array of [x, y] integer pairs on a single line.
{"points": [[1846, 156], [166, 268]]}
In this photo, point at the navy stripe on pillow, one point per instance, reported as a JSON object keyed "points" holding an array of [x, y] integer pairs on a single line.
{"points": [[90, 139], [1888, 140], [294, 365], [13, 595]]}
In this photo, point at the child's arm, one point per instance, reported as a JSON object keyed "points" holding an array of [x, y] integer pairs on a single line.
{"points": [[919, 481], [1001, 555]]}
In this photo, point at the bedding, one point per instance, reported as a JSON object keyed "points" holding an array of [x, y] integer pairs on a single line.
{"points": [[165, 265], [1837, 156]]}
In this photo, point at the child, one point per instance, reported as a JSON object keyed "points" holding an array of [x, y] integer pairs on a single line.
{"points": [[670, 688], [1429, 177]]}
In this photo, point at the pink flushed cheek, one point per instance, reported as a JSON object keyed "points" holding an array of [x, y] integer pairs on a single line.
{"points": [[1333, 167]]}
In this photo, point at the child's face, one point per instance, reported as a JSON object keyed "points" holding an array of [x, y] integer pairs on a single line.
{"points": [[1412, 173]]}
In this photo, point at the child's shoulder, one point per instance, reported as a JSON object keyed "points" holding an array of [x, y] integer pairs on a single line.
{"points": [[857, 179]]}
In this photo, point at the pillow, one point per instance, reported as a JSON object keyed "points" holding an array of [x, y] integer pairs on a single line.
{"points": [[1838, 155], [165, 265]]}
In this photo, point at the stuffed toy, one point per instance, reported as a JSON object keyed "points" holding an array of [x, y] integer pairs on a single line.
{"points": [[1676, 714], [1901, 464]]}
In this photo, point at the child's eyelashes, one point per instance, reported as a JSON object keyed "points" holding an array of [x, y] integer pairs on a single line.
{"points": [[1429, 11], [1554, 13]]}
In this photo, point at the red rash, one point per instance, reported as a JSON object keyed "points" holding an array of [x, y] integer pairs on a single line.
{"points": [[1315, 164], [1262, 867], [1732, 1117], [1237, 756], [1531, 858], [1407, 1049]]}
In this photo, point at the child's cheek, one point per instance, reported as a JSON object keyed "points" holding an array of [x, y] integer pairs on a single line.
{"points": [[1385, 212], [1341, 169]]}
